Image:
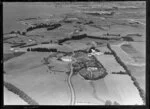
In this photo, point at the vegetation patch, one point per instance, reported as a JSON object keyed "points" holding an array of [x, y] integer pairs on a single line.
{"points": [[28, 45], [20, 93], [122, 73], [127, 38], [89, 69], [42, 25], [79, 37], [42, 49]]}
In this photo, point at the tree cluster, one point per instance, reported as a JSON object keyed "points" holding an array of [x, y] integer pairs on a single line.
{"points": [[108, 102], [127, 39], [27, 45], [37, 26], [24, 33], [42, 49], [18, 45], [108, 53], [53, 26], [42, 25], [15, 32], [120, 72]]}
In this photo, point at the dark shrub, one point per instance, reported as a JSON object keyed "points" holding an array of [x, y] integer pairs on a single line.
{"points": [[28, 49], [44, 49], [127, 39], [12, 32], [108, 102], [116, 103], [23, 33]]}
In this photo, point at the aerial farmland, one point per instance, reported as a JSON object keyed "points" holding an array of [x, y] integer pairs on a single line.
{"points": [[74, 53]]}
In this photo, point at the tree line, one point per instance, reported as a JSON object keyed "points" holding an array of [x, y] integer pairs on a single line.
{"points": [[135, 82], [42, 49], [42, 25]]}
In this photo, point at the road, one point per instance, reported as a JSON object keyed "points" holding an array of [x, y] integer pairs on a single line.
{"points": [[73, 98]]}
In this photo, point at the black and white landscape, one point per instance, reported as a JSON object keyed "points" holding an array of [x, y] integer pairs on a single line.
{"points": [[74, 53]]}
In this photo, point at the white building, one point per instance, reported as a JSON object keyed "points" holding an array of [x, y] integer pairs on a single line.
{"points": [[95, 53], [66, 59], [11, 49], [91, 68], [30, 40]]}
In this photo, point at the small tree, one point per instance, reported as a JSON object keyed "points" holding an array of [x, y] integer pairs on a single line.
{"points": [[12, 32], [108, 102], [23, 33], [116, 103], [18, 32], [4, 72], [28, 49]]}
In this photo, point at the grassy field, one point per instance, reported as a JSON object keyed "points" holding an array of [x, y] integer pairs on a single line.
{"points": [[24, 62], [29, 66], [140, 47], [133, 53], [117, 88], [84, 92], [77, 46], [9, 56], [23, 10], [122, 87], [6, 48], [109, 62], [103, 49], [36, 79], [38, 83], [123, 55]]}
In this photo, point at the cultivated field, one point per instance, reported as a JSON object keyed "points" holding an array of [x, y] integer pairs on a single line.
{"points": [[110, 63], [123, 55], [123, 88], [139, 73]]}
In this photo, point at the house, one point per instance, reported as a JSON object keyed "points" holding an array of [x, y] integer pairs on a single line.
{"points": [[11, 49], [66, 59], [30, 40], [93, 52]]}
